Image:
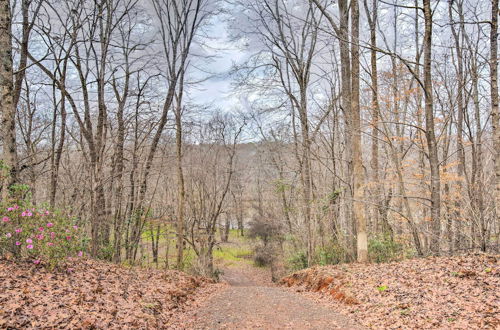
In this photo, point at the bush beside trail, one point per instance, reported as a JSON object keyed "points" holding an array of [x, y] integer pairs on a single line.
{"points": [[35, 234]]}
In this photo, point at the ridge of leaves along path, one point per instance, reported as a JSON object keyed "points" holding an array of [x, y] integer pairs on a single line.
{"points": [[250, 302]]}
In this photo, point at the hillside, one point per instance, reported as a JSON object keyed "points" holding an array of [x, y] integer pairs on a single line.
{"points": [[96, 295], [444, 292]]}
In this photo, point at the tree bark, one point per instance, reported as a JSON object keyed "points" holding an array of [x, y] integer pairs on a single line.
{"points": [[495, 112], [7, 106], [358, 173], [430, 132], [372, 22], [181, 193], [460, 116]]}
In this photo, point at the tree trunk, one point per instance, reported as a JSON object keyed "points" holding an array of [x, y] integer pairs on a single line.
{"points": [[306, 172], [181, 193], [495, 112], [430, 132], [460, 118], [358, 179], [372, 22], [7, 106], [345, 62]]}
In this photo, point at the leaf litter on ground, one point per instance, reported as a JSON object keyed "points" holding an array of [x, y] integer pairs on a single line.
{"points": [[97, 295], [461, 292]]}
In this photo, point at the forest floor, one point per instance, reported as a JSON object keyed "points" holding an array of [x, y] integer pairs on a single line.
{"points": [[461, 292], [96, 295], [429, 293]]}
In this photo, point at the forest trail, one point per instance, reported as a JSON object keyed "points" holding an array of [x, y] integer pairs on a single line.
{"points": [[249, 302]]}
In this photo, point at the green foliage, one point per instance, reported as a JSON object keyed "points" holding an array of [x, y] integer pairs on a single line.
{"points": [[382, 288], [331, 254], [297, 261], [383, 248], [4, 170], [20, 191], [230, 253], [38, 235], [106, 252]]}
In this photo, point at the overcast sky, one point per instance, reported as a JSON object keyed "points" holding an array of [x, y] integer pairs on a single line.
{"points": [[217, 90]]}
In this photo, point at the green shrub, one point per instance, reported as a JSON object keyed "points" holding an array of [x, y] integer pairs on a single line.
{"points": [[331, 254], [38, 235], [297, 261], [383, 248]]}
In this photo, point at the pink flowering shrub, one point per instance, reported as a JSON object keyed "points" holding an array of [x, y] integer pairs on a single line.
{"points": [[38, 235]]}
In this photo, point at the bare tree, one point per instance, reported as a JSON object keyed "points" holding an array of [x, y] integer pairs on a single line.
{"points": [[7, 104], [495, 112]]}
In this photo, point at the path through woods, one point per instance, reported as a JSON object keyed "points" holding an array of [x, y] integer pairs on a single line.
{"points": [[249, 304], [251, 301]]}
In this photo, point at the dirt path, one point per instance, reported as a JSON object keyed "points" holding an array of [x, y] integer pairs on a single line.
{"points": [[251, 302]]}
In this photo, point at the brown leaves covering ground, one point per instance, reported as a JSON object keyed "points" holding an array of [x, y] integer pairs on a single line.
{"points": [[431, 293], [96, 295]]}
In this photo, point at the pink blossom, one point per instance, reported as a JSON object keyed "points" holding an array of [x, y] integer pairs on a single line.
{"points": [[40, 236], [80, 254], [52, 235], [10, 209], [29, 214], [50, 244], [9, 235], [16, 207], [18, 243], [18, 230], [68, 238], [75, 227], [41, 229], [30, 246], [47, 212], [24, 214], [36, 262], [50, 224], [29, 241], [5, 219]]}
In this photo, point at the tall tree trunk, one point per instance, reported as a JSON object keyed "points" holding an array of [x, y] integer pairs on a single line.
{"points": [[181, 193], [306, 171], [7, 106], [476, 183], [460, 118], [495, 112], [372, 22], [346, 100], [119, 165], [57, 152], [430, 132], [358, 174]]}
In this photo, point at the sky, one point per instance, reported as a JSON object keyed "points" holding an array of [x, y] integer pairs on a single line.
{"points": [[216, 88]]}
